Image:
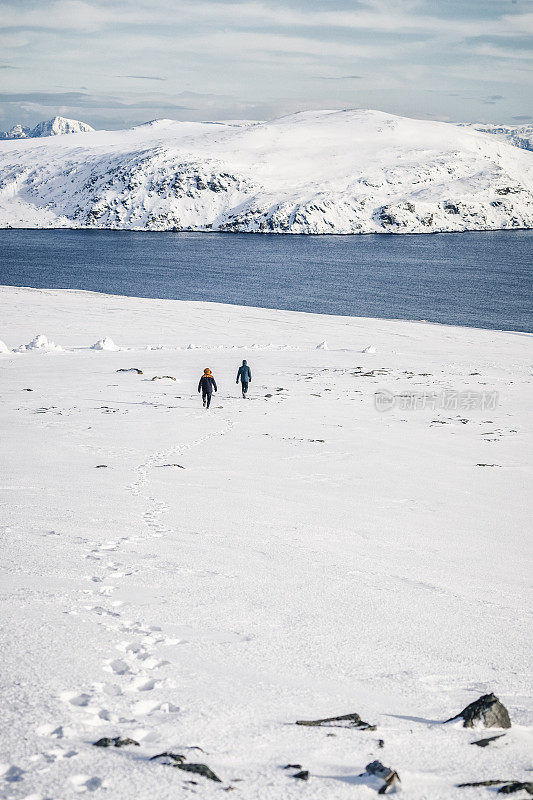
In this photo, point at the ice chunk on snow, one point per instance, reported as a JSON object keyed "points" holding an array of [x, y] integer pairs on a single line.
{"points": [[4, 348], [39, 343], [369, 349], [105, 344], [322, 346]]}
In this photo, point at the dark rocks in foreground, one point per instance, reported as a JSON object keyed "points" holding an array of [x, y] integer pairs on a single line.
{"points": [[117, 741], [487, 712], [131, 369], [390, 777], [508, 787], [517, 786], [351, 720], [179, 761]]}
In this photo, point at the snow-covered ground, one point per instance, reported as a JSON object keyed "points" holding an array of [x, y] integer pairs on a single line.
{"points": [[355, 171], [203, 579]]}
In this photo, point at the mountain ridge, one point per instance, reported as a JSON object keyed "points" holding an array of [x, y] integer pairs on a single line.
{"points": [[352, 171]]}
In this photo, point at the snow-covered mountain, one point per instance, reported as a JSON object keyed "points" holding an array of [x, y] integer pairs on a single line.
{"points": [[519, 135], [50, 127], [317, 172]]}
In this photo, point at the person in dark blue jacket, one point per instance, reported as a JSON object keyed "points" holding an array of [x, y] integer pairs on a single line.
{"points": [[244, 375], [205, 386]]}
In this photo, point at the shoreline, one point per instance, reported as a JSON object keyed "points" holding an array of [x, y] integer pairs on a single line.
{"points": [[267, 233], [235, 306]]}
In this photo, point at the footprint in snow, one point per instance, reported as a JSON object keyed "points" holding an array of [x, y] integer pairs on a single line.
{"points": [[12, 773], [75, 699], [142, 685], [83, 783]]}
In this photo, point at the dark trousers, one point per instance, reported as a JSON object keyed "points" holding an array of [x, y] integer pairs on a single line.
{"points": [[244, 387], [206, 398]]}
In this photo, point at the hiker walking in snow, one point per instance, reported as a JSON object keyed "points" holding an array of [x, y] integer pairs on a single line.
{"points": [[244, 375], [205, 386]]}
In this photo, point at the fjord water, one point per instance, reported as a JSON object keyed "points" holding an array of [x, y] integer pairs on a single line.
{"points": [[475, 279]]}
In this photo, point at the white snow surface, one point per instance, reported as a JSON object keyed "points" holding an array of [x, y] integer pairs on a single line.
{"points": [[312, 557], [354, 171]]}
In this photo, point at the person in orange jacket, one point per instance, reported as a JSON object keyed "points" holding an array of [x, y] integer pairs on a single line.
{"points": [[205, 386]]}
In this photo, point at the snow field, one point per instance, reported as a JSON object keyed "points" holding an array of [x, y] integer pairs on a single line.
{"points": [[202, 579]]}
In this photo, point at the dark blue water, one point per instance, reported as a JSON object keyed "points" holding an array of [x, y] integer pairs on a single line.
{"points": [[477, 279]]}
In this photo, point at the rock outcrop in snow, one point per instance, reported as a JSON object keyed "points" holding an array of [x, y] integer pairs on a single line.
{"points": [[314, 172], [50, 127]]}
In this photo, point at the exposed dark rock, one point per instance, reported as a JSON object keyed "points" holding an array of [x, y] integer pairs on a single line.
{"points": [[451, 208], [486, 742], [390, 778], [179, 761], [171, 758], [351, 720], [480, 783], [517, 786], [100, 466], [303, 775], [117, 741], [199, 769], [268, 395], [27, 390], [509, 787], [381, 743], [293, 766], [161, 377], [486, 712], [131, 369], [171, 465]]}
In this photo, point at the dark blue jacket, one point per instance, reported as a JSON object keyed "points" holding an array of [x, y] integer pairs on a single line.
{"points": [[207, 384], [244, 374]]}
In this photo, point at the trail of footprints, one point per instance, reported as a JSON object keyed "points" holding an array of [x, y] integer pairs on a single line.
{"points": [[132, 681]]}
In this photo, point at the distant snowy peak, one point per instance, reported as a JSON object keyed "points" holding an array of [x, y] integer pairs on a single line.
{"points": [[50, 127], [519, 135]]}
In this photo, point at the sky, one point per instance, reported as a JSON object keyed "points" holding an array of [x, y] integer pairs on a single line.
{"points": [[116, 63]]}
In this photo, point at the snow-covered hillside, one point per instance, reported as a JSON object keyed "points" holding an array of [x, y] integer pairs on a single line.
{"points": [[519, 135], [353, 538], [314, 172], [57, 126]]}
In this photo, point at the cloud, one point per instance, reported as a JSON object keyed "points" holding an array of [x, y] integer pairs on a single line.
{"points": [[143, 77], [81, 100], [337, 77], [522, 118]]}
